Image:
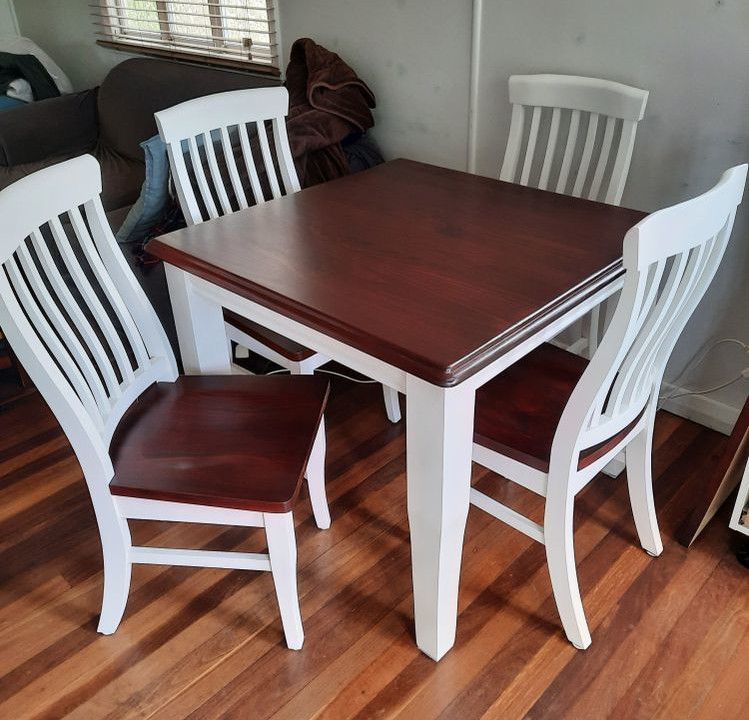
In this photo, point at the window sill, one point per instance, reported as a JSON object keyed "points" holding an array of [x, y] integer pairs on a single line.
{"points": [[194, 58]]}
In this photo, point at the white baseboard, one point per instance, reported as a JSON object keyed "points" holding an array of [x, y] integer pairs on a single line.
{"points": [[700, 409]]}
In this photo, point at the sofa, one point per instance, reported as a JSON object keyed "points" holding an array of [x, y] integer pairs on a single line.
{"points": [[110, 122]]}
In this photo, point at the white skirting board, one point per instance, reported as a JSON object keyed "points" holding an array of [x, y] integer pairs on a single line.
{"points": [[701, 409]]}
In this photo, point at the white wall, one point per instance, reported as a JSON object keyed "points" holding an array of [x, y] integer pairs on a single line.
{"points": [[8, 24], [65, 30], [414, 54], [692, 54]]}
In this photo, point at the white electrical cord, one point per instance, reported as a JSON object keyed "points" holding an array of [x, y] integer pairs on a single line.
{"points": [[695, 362], [328, 372]]}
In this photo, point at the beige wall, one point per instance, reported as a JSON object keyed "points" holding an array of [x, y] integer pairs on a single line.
{"points": [[692, 54], [65, 30], [8, 25], [415, 54]]}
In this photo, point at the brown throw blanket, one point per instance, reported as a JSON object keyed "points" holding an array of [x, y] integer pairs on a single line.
{"points": [[328, 102]]}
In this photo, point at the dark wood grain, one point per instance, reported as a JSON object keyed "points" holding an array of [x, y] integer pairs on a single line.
{"points": [[225, 441], [719, 482], [431, 270], [670, 634], [518, 412], [283, 346]]}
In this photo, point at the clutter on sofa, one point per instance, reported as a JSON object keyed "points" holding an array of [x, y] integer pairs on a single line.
{"points": [[28, 74]]}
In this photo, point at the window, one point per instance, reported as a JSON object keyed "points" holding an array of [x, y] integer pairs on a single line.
{"points": [[234, 33]]}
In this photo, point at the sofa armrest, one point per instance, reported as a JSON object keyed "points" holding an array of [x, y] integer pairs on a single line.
{"points": [[61, 126], [9, 175]]}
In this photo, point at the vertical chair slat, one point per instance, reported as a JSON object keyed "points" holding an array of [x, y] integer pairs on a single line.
{"points": [[530, 149], [213, 169], [199, 172], [569, 151], [61, 326], [512, 153], [82, 323], [270, 169], [90, 298], [231, 165], [551, 148], [185, 191], [110, 291], [603, 158], [622, 162], [285, 158], [582, 169], [49, 338], [249, 160]]}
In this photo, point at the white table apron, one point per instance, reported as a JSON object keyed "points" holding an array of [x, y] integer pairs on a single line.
{"points": [[439, 427]]}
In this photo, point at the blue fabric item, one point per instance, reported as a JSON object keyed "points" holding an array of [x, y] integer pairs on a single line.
{"points": [[8, 102], [154, 195]]}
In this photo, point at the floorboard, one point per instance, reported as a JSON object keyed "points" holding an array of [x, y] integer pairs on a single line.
{"points": [[670, 635]]}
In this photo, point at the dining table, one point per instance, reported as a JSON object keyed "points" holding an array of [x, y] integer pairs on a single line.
{"points": [[429, 280]]}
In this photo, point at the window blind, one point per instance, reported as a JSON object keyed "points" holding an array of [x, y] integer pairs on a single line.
{"points": [[235, 33]]}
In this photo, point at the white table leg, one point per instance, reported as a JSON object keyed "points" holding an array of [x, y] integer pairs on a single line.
{"points": [[439, 437], [200, 327]]}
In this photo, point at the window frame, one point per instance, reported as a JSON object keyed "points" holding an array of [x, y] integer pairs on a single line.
{"points": [[117, 38]]}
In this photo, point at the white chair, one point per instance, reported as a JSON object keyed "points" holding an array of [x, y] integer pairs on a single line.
{"points": [[575, 136], [229, 450], [212, 133], [552, 421]]}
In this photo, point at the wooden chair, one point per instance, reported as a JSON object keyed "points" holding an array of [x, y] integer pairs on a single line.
{"points": [[575, 136], [228, 450], [212, 133], [552, 421]]}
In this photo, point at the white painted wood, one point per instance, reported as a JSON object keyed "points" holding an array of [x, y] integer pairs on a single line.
{"points": [[439, 429], [146, 509], [315, 475], [640, 483], [88, 390], [207, 123], [742, 501], [199, 558], [392, 404], [303, 334], [200, 326], [529, 477], [670, 259], [279, 529], [507, 515], [576, 96], [591, 100]]}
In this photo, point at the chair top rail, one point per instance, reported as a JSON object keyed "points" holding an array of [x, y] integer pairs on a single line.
{"points": [[593, 95]]}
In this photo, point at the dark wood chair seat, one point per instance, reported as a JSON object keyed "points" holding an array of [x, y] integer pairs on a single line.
{"points": [[517, 413], [226, 441], [280, 344]]}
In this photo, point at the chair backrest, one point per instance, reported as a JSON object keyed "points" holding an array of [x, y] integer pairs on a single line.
{"points": [[212, 133], [73, 311], [575, 135], [670, 259]]}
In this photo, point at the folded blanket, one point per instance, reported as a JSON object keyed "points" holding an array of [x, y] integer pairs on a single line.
{"points": [[328, 102], [30, 69]]}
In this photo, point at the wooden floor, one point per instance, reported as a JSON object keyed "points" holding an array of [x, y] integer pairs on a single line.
{"points": [[670, 635]]}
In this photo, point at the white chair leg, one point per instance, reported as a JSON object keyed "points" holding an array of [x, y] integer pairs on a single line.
{"points": [[279, 530], [640, 482], [392, 404], [316, 480], [560, 555], [116, 544]]}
